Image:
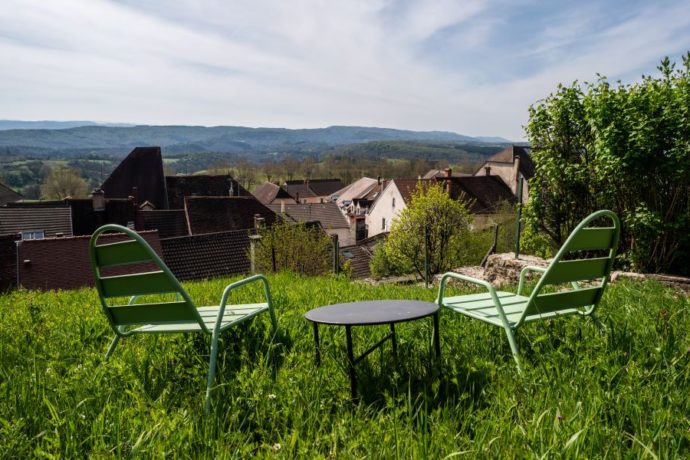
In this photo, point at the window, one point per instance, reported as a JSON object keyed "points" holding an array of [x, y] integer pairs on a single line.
{"points": [[383, 223], [33, 234], [393, 203]]}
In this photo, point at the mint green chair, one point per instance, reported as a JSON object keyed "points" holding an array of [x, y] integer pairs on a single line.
{"points": [[132, 302], [586, 256]]}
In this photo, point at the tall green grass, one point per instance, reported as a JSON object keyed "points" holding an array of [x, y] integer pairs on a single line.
{"points": [[584, 394]]}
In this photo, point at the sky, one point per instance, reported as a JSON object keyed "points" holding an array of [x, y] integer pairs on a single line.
{"points": [[469, 66]]}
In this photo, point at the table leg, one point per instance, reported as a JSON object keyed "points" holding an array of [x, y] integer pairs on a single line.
{"points": [[437, 336], [351, 362], [395, 341], [317, 348]]}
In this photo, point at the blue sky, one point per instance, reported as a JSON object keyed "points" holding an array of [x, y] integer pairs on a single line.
{"points": [[469, 66]]}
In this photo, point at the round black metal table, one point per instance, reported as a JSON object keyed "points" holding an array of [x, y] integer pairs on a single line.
{"points": [[371, 313]]}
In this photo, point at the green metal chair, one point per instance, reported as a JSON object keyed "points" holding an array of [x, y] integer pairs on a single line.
{"points": [[586, 256], [121, 297]]}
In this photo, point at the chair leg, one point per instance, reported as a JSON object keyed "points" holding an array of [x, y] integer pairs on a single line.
{"points": [[274, 322], [113, 344], [599, 324], [514, 348], [211, 372]]}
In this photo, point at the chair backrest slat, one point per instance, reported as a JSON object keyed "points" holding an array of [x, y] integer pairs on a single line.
{"points": [[135, 257], [547, 303], [138, 284], [577, 270], [121, 253], [152, 313], [585, 245], [588, 239]]}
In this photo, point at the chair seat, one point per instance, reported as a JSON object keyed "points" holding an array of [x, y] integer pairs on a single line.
{"points": [[481, 306], [233, 314]]}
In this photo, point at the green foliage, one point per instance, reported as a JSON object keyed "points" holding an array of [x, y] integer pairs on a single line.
{"points": [[294, 247], [583, 395], [63, 182], [625, 148], [432, 212]]}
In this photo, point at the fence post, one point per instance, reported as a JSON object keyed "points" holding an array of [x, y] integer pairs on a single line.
{"points": [[426, 256], [518, 221], [336, 255], [253, 241]]}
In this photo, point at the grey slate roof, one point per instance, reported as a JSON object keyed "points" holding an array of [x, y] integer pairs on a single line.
{"points": [[268, 191], [169, 222], [328, 214], [51, 220], [207, 256]]}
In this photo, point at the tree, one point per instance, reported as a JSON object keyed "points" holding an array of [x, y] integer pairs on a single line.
{"points": [[622, 147], [444, 220], [63, 182], [294, 247]]}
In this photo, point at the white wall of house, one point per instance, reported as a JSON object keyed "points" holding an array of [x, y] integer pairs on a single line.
{"points": [[387, 207]]}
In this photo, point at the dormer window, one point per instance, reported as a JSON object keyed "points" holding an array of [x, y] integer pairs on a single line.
{"points": [[33, 234]]}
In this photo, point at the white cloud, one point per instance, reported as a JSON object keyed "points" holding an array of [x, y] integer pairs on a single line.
{"points": [[304, 63]]}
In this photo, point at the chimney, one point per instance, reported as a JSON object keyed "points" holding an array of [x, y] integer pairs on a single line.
{"points": [[259, 222], [282, 206], [135, 195], [487, 170], [448, 172], [98, 200], [378, 179], [297, 197]]}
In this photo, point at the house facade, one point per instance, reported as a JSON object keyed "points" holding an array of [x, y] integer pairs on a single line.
{"points": [[509, 164]]}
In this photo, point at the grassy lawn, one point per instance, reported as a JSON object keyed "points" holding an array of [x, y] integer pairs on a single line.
{"points": [[621, 394]]}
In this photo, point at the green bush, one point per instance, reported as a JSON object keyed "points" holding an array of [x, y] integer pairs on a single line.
{"points": [[625, 148], [295, 247]]}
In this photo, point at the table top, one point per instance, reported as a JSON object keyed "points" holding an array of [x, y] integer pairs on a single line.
{"points": [[371, 312]]}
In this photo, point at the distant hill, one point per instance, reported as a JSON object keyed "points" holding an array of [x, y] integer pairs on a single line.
{"points": [[253, 143], [47, 124]]}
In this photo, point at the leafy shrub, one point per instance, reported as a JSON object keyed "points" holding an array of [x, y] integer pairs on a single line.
{"points": [[625, 148], [294, 247]]}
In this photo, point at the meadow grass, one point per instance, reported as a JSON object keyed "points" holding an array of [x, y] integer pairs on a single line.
{"points": [[621, 394]]}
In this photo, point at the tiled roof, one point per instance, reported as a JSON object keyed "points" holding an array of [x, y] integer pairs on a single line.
{"points": [[169, 222], [484, 192], [509, 153], [358, 190], [299, 189], [179, 187], [143, 169], [436, 173], [327, 213], [7, 195], [313, 187], [207, 256], [207, 214], [325, 187], [52, 220], [268, 192], [360, 255], [406, 187]]}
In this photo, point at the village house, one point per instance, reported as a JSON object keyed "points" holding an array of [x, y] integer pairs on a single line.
{"points": [[482, 194], [327, 214], [354, 202], [509, 164]]}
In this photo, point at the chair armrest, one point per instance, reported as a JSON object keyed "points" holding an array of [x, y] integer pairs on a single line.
{"points": [[523, 273], [458, 276], [489, 287], [230, 287]]}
